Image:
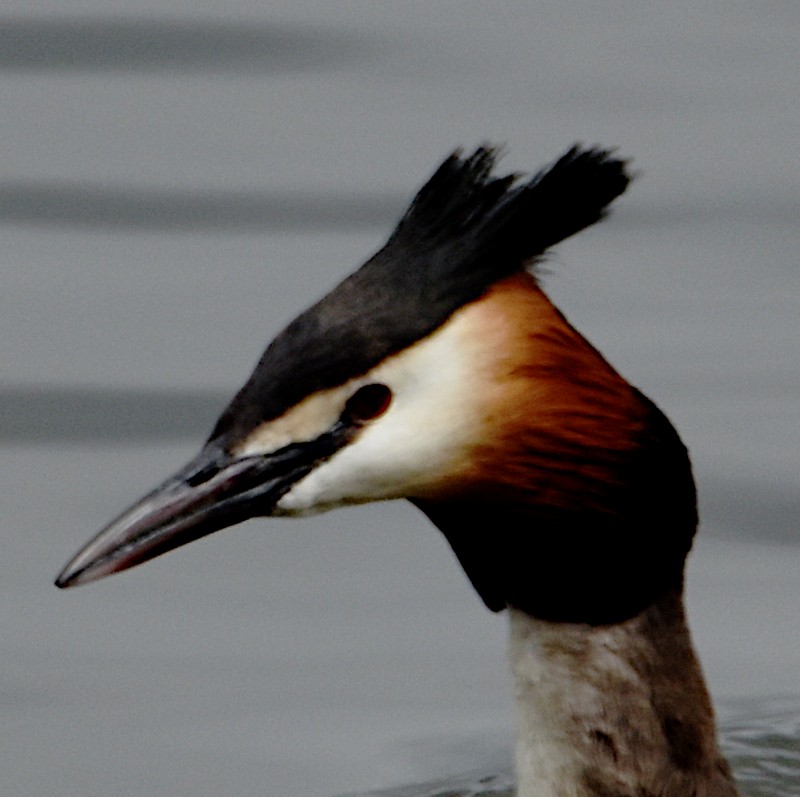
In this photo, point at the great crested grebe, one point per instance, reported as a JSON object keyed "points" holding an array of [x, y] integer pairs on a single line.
{"points": [[440, 372]]}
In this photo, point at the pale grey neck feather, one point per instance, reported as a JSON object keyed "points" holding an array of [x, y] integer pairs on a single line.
{"points": [[614, 711]]}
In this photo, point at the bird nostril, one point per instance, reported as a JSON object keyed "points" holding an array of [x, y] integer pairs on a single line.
{"points": [[366, 404], [204, 474], [200, 477]]}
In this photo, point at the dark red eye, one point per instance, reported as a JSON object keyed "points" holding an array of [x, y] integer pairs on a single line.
{"points": [[367, 403]]}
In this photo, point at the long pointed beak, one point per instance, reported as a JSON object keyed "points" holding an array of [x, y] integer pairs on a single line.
{"points": [[214, 491]]}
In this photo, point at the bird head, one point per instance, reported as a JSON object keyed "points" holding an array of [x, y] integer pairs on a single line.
{"points": [[438, 372]]}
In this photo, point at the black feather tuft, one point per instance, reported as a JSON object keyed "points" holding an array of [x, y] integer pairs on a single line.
{"points": [[463, 231], [511, 224]]}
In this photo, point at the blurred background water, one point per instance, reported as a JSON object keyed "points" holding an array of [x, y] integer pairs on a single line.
{"points": [[178, 179]]}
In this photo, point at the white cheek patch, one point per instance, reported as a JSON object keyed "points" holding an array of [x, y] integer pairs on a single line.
{"points": [[304, 422], [423, 437]]}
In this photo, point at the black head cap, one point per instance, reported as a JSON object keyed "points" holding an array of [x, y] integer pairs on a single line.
{"points": [[463, 231]]}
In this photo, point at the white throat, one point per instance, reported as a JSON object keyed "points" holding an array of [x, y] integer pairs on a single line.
{"points": [[616, 710]]}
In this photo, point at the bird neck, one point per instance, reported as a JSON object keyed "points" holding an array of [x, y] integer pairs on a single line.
{"points": [[594, 534], [617, 710], [575, 500]]}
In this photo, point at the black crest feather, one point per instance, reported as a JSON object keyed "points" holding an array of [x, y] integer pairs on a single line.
{"points": [[497, 226], [464, 230]]}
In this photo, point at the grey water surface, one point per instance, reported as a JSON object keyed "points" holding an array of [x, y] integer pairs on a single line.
{"points": [[179, 179]]}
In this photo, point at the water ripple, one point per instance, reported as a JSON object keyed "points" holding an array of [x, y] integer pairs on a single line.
{"points": [[761, 739], [158, 45], [91, 415], [762, 743], [95, 206]]}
